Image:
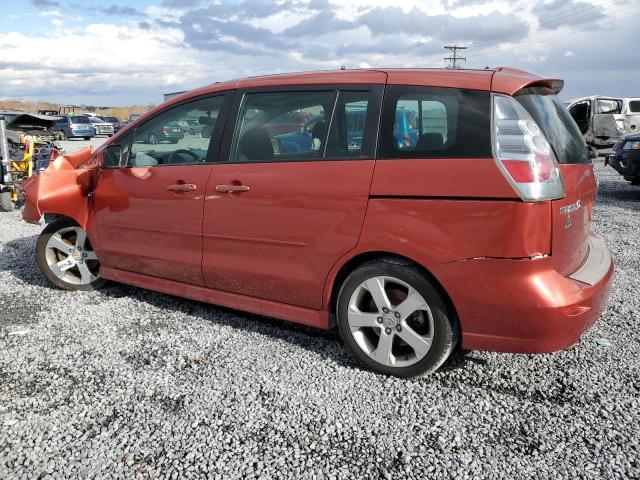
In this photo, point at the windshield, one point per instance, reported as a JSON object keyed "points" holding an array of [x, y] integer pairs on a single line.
{"points": [[556, 123], [80, 120]]}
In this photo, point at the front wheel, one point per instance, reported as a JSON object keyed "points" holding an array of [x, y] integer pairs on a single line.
{"points": [[394, 320], [87, 138], [66, 257]]}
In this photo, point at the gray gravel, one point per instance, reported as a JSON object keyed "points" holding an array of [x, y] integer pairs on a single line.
{"points": [[127, 383]]}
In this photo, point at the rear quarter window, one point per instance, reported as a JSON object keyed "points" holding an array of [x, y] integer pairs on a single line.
{"points": [[634, 106], [430, 122]]}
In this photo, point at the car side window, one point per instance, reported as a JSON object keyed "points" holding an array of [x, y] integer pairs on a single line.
{"points": [[282, 126], [178, 136], [348, 126], [434, 122]]}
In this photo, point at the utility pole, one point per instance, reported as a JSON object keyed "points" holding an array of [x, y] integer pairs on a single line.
{"points": [[455, 58]]}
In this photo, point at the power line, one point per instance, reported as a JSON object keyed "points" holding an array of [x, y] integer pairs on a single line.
{"points": [[494, 52], [548, 20], [485, 46]]}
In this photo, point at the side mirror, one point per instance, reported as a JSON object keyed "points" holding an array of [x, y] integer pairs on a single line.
{"points": [[112, 157]]}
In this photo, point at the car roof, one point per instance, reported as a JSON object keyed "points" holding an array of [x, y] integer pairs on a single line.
{"points": [[500, 80]]}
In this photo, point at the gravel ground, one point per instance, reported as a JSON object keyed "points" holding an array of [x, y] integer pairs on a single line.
{"points": [[127, 383]]}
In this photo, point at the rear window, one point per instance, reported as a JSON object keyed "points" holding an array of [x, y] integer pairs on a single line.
{"points": [[556, 123], [634, 106], [429, 122], [79, 119]]}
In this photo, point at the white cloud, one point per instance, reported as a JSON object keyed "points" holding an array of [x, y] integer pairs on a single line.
{"points": [[121, 61], [49, 13]]}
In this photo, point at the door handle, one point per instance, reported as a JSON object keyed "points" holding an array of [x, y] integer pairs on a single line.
{"points": [[231, 188], [182, 187]]}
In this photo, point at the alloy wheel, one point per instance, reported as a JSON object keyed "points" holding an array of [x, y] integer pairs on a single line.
{"points": [[70, 256], [390, 321]]}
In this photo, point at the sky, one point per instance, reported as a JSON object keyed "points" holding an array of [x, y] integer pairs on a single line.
{"points": [[114, 53]]}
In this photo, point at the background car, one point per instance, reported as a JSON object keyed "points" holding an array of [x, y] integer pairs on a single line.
{"points": [[625, 158], [301, 139], [75, 126], [193, 127], [600, 119], [116, 122], [405, 129], [102, 127], [170, 132]]}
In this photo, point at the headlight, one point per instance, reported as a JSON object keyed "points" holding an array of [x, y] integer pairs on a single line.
{"points": [[632, 145]]}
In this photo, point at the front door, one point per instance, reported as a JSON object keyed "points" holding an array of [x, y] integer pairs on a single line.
{"points": [[290, 199], [148, 214]]}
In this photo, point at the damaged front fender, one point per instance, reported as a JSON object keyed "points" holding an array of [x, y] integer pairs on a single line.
{"points": [[64, 188]]}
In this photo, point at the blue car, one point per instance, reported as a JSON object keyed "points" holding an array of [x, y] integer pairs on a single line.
{"points": [[405, 129], [75, 126], [300, 140]]}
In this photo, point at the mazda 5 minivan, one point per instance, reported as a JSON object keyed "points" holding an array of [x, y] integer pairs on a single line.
{"points": [[477, 233]]}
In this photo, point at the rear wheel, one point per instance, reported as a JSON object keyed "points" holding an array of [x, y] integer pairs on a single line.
{"points": [[6, 201], [394, 320], [87, 138], [66, 257]]}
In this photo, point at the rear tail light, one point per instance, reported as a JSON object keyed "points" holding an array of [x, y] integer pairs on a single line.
{"points": [[69, 125], [523, 153]]}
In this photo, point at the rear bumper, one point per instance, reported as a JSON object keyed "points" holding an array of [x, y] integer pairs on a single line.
{"points": [[81, 134], [526, 306]]}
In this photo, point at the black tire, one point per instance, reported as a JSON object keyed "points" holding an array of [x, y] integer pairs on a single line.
{"points": [[87, 138], [174, 141], [6, 202], [41, 247], [445, 326], [63, 136]]}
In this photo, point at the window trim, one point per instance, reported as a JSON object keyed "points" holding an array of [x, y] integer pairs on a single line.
{"points": [[370, 134], [216, 136]]}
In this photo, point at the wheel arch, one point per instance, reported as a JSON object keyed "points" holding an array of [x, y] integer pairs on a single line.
{"points": [[336, 280], [52, 217]]}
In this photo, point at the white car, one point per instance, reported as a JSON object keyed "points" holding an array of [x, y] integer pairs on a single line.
{"points": [[102, 127]]}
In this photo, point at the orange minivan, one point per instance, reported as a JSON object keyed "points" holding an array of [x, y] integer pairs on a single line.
{"points": [[469, 223]]}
